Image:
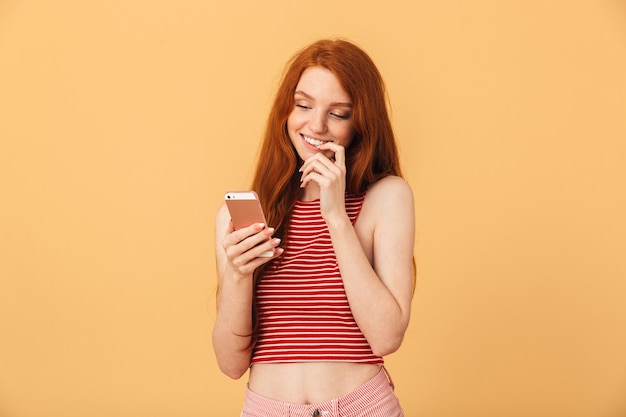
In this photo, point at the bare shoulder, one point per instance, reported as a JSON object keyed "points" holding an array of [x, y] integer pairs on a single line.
{"points": [[389, 200], [388, 192]]}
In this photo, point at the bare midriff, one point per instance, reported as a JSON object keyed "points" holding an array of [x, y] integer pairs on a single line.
{"points": [[309, 382]]}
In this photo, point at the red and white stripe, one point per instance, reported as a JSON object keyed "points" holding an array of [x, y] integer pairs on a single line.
{"points": [[303, 308]]}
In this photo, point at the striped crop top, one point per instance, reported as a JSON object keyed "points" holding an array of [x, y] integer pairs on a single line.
{"points": [[304, 315]]}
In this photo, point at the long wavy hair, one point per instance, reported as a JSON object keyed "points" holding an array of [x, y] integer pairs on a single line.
{"points": [[371, 155]]}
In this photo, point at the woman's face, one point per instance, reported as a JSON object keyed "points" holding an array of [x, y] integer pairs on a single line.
{"points": [[322, 113]]}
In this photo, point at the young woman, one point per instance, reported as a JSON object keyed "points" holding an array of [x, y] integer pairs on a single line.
{"points": [[314, 322]]}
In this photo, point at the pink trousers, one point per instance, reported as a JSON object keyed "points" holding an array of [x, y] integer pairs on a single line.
{"points": [[375, 398]]}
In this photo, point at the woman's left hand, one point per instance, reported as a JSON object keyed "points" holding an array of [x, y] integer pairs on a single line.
{"points": [[329, 173]]}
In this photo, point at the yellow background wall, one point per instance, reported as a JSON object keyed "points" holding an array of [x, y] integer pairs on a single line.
{"points": [[123, 122]]}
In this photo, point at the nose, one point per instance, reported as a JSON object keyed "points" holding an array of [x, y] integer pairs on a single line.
{"points": [[318, 122]]}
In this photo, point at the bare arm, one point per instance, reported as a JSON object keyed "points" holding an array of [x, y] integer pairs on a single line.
{"points": [[379, 289], [236, 254], [376, 263]]}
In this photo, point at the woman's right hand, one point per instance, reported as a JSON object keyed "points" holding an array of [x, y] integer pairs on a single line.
{"points": [[243, 247], [237, 256]]}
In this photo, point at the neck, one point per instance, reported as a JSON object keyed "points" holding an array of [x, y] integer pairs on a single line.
{"points": [[310, 192]]}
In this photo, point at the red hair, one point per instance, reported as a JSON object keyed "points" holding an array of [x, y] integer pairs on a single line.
{"points": [[372, 154]]}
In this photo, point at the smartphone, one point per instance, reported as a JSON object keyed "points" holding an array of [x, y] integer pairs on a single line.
{"points": [[245, 209]]}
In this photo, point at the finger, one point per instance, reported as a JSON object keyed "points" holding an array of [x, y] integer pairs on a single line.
{"points": [[237, 243], [338, 150], [323, 179], [257, 256], [257, 239], [318, 163], [260, 250], [320, 174], [235, 236], [250, 266], [326, 167], [317, 158]]}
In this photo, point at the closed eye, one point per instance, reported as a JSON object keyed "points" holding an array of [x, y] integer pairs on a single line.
{"points": [[341, 116]]}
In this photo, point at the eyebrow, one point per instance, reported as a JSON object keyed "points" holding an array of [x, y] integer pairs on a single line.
{"points": [[337, 104]]}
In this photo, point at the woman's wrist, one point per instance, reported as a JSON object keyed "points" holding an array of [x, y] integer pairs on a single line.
{"points": [[338, 222]]}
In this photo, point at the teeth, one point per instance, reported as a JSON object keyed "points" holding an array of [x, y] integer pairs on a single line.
{"points": [[314, 142]]}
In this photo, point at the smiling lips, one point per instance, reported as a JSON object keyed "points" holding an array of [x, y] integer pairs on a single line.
{"points": [[315, 142]]}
